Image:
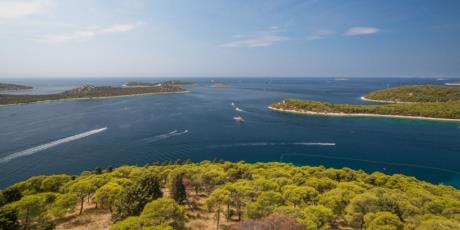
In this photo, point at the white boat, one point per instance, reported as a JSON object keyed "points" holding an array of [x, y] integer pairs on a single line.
{"points": [[239, 110], [238, 119]]}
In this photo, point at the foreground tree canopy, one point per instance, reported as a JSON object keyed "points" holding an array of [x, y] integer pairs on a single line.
{"points": [[247, 196]]}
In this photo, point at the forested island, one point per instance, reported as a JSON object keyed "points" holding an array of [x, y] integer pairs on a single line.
{"points": [[13, 87], [421, 102], [227, 195], [90, 91], [416, 93]]}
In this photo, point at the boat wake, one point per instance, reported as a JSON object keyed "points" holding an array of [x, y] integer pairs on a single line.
{"points": [[43, 147], [315, 143], [165, 136], [307, 155], [279, 144]]}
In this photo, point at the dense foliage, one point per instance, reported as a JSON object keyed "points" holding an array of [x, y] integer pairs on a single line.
{"points": [[448, 110], [417, 93], [244, 196], [88, 91], [8, 219]]}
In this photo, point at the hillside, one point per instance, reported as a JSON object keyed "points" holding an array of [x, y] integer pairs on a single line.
{"points": [[416, 93], [229, 195]]}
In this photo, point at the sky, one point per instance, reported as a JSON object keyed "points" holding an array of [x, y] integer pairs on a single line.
{"points": [[229, 38]]}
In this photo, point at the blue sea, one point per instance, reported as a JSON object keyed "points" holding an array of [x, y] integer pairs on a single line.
{"points": [[75, 135]]}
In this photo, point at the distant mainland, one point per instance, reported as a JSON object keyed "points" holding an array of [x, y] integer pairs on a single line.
{"points": [[428, 102], [90, 91]]}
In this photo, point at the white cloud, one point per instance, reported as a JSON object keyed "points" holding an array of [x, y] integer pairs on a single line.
{"points": [[361, 31], [260, 39], [10, 9], [121, 28], [91, 32], [320, 34]]}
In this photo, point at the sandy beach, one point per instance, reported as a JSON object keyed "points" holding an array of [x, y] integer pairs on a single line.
{"points": [[362, 115]]}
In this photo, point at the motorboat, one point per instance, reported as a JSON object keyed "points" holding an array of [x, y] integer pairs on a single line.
{"points": [[238, 119]]}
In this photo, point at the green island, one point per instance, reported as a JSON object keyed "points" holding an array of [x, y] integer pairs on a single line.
{"points": [[90, 91], [13, 87], [218, 85], [420, 102], [152, 84], [228, 195], [416, 94]]}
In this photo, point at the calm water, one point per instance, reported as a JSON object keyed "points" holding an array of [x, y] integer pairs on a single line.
{"points": [[199, 126]]}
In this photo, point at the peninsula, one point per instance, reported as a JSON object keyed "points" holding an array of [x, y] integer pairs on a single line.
{"points": [[13, 87], [415, 102], [90, 91]]}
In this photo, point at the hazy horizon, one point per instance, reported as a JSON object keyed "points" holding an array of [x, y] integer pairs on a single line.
{"points": [[176, 39], [25, 78]]}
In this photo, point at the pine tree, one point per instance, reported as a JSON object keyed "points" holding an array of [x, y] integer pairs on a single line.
{"points": [[10, 195], [98, 170], [133, 200], [178, 192], [8, 219]]}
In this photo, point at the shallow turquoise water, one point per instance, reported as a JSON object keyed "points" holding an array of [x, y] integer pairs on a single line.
{"points": [[199, 126]]}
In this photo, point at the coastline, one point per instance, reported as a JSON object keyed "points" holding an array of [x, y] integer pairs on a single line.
{"points": [[383, 101], [90, 98], [362, 115], [452, 84]]}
